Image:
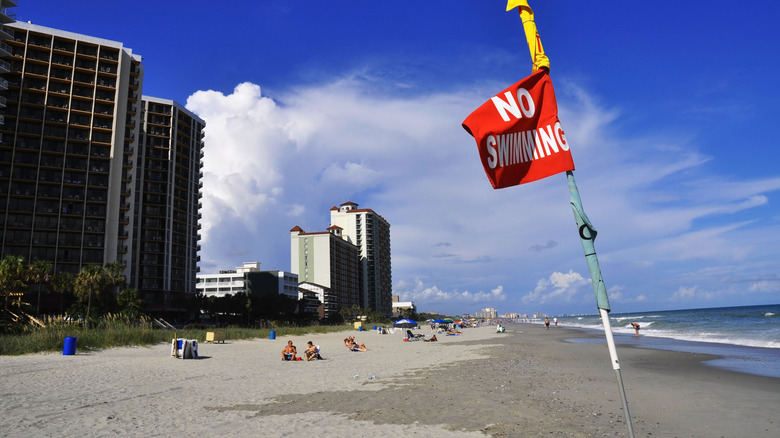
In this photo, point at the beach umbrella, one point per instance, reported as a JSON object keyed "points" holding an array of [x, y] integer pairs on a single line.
{"points": [[405, 323], [439, 321], [447, 320]]}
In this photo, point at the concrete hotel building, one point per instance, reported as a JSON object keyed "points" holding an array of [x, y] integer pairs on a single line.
{"points": [[370, 232], [250, 280], [67, 153], [91, 172], [326, 259], [167, 204]]}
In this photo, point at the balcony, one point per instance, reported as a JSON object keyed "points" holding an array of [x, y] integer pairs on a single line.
{"points": [[7, 32]]}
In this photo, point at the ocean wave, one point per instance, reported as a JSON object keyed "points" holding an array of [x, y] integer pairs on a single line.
{"points": [[697, 336]]}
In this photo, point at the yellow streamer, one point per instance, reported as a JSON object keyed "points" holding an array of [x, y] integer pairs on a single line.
{"points": [[538, 57]]}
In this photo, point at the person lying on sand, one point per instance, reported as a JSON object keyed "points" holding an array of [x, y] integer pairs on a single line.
{"points": [[354, 346], [433, 339], [453, 333], [289, 352]]}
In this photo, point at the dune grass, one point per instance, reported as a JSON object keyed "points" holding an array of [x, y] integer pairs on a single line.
{"points": [[116, 331]]}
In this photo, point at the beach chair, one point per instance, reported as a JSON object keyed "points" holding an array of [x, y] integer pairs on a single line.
{"points": [[412, 337]]}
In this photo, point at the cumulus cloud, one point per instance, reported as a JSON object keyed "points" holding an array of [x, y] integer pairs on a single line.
{"points": [[272, 163], [418, 291], [558, 287]]}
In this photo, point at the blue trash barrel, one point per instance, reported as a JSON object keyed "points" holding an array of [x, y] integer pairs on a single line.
{"points": [[273, 334], [69, 347], [360, 329], [374, 328]]}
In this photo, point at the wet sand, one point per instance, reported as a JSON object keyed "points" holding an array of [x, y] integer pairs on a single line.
{"points": [[528, 382]]}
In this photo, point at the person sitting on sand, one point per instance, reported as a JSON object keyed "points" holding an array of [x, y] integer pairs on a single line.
{"points": [[289, 352], [310, 352], [433, 339]]}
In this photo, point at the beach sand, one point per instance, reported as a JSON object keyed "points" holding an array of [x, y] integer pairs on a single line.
{"points": [[528, 382]]}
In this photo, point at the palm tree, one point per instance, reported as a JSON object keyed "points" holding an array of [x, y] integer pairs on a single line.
{"points": [[39, 274], [62, 283], [130, 303], [12, 277], [90, 280], [114, 271]]}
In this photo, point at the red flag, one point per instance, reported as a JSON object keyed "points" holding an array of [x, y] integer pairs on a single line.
{"points": [[518, 134]]}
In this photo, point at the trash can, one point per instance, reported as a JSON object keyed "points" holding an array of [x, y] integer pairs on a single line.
{"points": [[360, 329], [272, 335], [374, 328], [69, 347]]}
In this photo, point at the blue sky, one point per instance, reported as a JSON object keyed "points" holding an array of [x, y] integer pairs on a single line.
{"points": [[669, 108]]}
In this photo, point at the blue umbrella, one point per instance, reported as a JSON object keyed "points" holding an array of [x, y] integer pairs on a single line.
{"points": [[439, 321], [405, 323]]}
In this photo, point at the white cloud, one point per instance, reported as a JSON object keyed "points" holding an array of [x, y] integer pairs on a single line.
{"points": [[558, 287], [693, 294], [418, 291], [665, 224]]}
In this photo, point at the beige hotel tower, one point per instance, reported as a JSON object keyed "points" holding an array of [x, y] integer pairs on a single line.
{"points": [[356, 248]]}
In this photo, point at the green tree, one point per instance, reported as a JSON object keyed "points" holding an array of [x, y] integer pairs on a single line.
{"points": [[130, 303], [61, 283], [351, 313], [39, 273], [91, 280], [12, 278], [115, 276]]}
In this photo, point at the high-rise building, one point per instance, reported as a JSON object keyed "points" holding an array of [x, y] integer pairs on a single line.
{"points": [[67, 153], [167, 204], [370, 232], [326, 259], [356, 237], [91, 172], [7, 16]]}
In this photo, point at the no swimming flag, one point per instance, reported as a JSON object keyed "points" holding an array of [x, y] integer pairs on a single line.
{"points": [[518, 134]]}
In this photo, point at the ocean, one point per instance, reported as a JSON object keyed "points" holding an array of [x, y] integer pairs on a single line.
{"points": [[747, 338]]}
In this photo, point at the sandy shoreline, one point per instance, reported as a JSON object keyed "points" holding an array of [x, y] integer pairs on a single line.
{"points": [[529, 382]]}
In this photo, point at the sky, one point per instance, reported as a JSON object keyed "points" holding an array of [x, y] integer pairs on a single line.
{"points": [[668, 106]]}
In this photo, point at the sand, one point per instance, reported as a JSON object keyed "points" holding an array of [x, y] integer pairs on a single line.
{"points": [[526, 382]]}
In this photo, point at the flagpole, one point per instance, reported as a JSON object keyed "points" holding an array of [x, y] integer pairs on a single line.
{"points": [[587, 236]]}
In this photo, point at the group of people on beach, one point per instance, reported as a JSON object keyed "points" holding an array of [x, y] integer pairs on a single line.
{"points": [[290, 353]]}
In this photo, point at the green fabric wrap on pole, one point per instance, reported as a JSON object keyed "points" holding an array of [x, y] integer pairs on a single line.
{"points": [[587, 236]]}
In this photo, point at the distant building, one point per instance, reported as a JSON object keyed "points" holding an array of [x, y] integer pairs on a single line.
{"points": [[326, 304], [280, 283], [226, 281], [399, 306], [248, 279], [487, 313], [370, 232], [326, 259]]}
